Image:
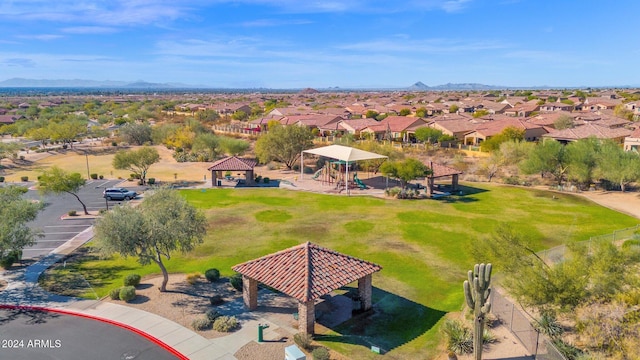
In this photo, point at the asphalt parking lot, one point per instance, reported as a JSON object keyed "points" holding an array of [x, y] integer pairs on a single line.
{"points": [[44, 335], [56, 231]]}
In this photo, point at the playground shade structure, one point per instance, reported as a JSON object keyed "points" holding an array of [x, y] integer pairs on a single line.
{"points": [[340, 152]]}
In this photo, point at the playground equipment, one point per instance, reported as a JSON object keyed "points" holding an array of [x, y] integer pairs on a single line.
{"points": [[359, 182]]}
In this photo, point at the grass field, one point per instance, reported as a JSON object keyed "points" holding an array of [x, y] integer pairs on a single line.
{"points": [[422, 245]]}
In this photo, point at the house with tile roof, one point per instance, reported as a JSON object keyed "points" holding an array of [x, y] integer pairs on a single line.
{"points": [[632, 142], [589, 130], [327, 123], [395, 127], [306, 272], [485, 131], [355, 126]]}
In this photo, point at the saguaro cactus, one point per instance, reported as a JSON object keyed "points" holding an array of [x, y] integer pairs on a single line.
{"points": [[476, 292]]}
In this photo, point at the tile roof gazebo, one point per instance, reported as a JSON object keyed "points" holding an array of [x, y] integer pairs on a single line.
{"points": [[233, 163], [306, 272], [440, 171]]}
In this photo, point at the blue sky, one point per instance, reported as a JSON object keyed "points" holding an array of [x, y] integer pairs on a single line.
{"points": [[323, 43]]}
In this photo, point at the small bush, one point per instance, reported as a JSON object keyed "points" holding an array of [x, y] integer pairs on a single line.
{"points": [[94, 176], [258, 178], [236, 281], [192, 279], [216, 300], [266, 180], [114, 294], [10, 258], [320, 353], [101, 177], [212, 314], [459, 337], [225, 323], [201, 324], [102, 211], [72, 213], [1, 179], [127, 293], [303, 340], [212, 275], [64, 146], [151, 181], [24, 178], [113, 143], [132, 280]]}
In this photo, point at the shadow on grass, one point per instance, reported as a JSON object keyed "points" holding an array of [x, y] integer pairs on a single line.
{"points": [[464, 194], [392, 322]]}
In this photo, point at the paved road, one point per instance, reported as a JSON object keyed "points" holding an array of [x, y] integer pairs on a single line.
{"points": [[40, 335], [57, 231]]}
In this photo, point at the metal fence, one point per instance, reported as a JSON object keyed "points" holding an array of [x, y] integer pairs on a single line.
{"points": [[519, 324], [557, 254]]}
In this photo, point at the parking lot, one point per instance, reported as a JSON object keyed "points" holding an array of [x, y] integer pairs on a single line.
{"points": [[57, 231]]}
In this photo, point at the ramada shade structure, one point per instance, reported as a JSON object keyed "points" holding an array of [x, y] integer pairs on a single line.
{"points": [[339, 152], [233, 163], [306, 272], [440, 171]]}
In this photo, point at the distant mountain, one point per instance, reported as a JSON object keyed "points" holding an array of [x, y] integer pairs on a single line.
{"points": [[79, 83], [420, 86]]}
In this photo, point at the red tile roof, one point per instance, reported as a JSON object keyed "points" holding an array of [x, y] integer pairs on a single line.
{"points": [[306, 271], [233, 163], [440, 170]]}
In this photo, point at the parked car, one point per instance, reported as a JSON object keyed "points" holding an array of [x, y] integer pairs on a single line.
{"points": [[118, 194]]}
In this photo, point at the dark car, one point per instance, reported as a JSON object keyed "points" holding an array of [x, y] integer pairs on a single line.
{"points": [[118, 194]]}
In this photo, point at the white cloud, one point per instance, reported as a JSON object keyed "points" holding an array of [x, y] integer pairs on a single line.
{"points": [[89, 30], [42, 37]]}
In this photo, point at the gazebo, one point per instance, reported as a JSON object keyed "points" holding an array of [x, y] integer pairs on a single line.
{"points": [[343, 153], [439, 171], [306, 272], [233, 163]]}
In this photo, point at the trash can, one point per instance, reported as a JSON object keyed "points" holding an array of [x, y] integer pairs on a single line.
{"points": [[219, 182]]}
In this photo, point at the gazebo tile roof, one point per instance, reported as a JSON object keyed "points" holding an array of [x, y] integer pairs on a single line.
{"points": [[233, 163], [307, 271], [440, 170]]}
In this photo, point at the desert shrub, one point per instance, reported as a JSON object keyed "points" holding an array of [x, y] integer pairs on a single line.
{"points": [[192, 279], [236, 281], [212, 275], [72, 213], [151, 181], [212, 314], [303, 340], [266, 180], [102, 211], [11, 257], [216, 300], [200, 324], [127, 293], [272, 166], [258, 178], [114, 294], [101, 177], [132, 280], [512, 180], [1, 179], [393, 192], [24, 178], [320, 353], [113, 143], [225, 323], [94, 176], [459, 337], [64, 146]]}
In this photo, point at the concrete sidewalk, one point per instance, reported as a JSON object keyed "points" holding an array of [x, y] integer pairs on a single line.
{"points": [[23, 290]]}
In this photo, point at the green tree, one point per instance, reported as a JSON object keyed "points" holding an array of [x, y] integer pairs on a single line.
{"points": [[421, 112], [161, 225], [453, 109], [480, 113], [509, 133], [284, 144], [15, 213], [137, 161], [40, 134], [513, 152], [208, 144], [240, 115], [135, 133], [618, 166], [371, 114], [67, 131], [387, 150], [547, 157], [563, 122], [8, 150], [582, 158], [233, 147], [428, 135], [405, 171], [57, 181], [405, 112]]}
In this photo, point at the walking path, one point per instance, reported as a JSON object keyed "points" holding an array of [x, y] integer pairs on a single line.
{"points": [[23, 291]]}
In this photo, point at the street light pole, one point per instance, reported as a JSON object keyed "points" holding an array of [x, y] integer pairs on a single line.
{"points": [[87, 158]]}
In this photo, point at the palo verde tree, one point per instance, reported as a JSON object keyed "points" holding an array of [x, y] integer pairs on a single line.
{"points": [[548, 157], [161, 225], [405, 170], [15, 213], [56, 181], [284, 144], [137, 161], [477, 289], [616, 165]]}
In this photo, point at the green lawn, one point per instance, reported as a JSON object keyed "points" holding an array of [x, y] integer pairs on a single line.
{"points": [[422, 245]]}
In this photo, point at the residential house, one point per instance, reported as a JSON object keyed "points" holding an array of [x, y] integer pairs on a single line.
{"points": [[556, 106], [9, 119], [589, 130], [525, 109], [599, 103], [326, 124], [395, 127], [355, 126], [548, 119], [493, 107], [632, 142], [485, 131]]}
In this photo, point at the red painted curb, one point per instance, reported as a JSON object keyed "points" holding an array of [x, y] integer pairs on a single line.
{"points": [[107, 321]]}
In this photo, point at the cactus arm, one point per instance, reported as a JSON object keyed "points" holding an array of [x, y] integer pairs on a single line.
{"points": [[467, 294]]}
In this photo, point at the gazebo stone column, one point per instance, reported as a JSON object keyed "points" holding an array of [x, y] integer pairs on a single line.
{"points": [[214, 178], [454, 182], [365, 291], [250, 292], [306, 316], [429, 190]]}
